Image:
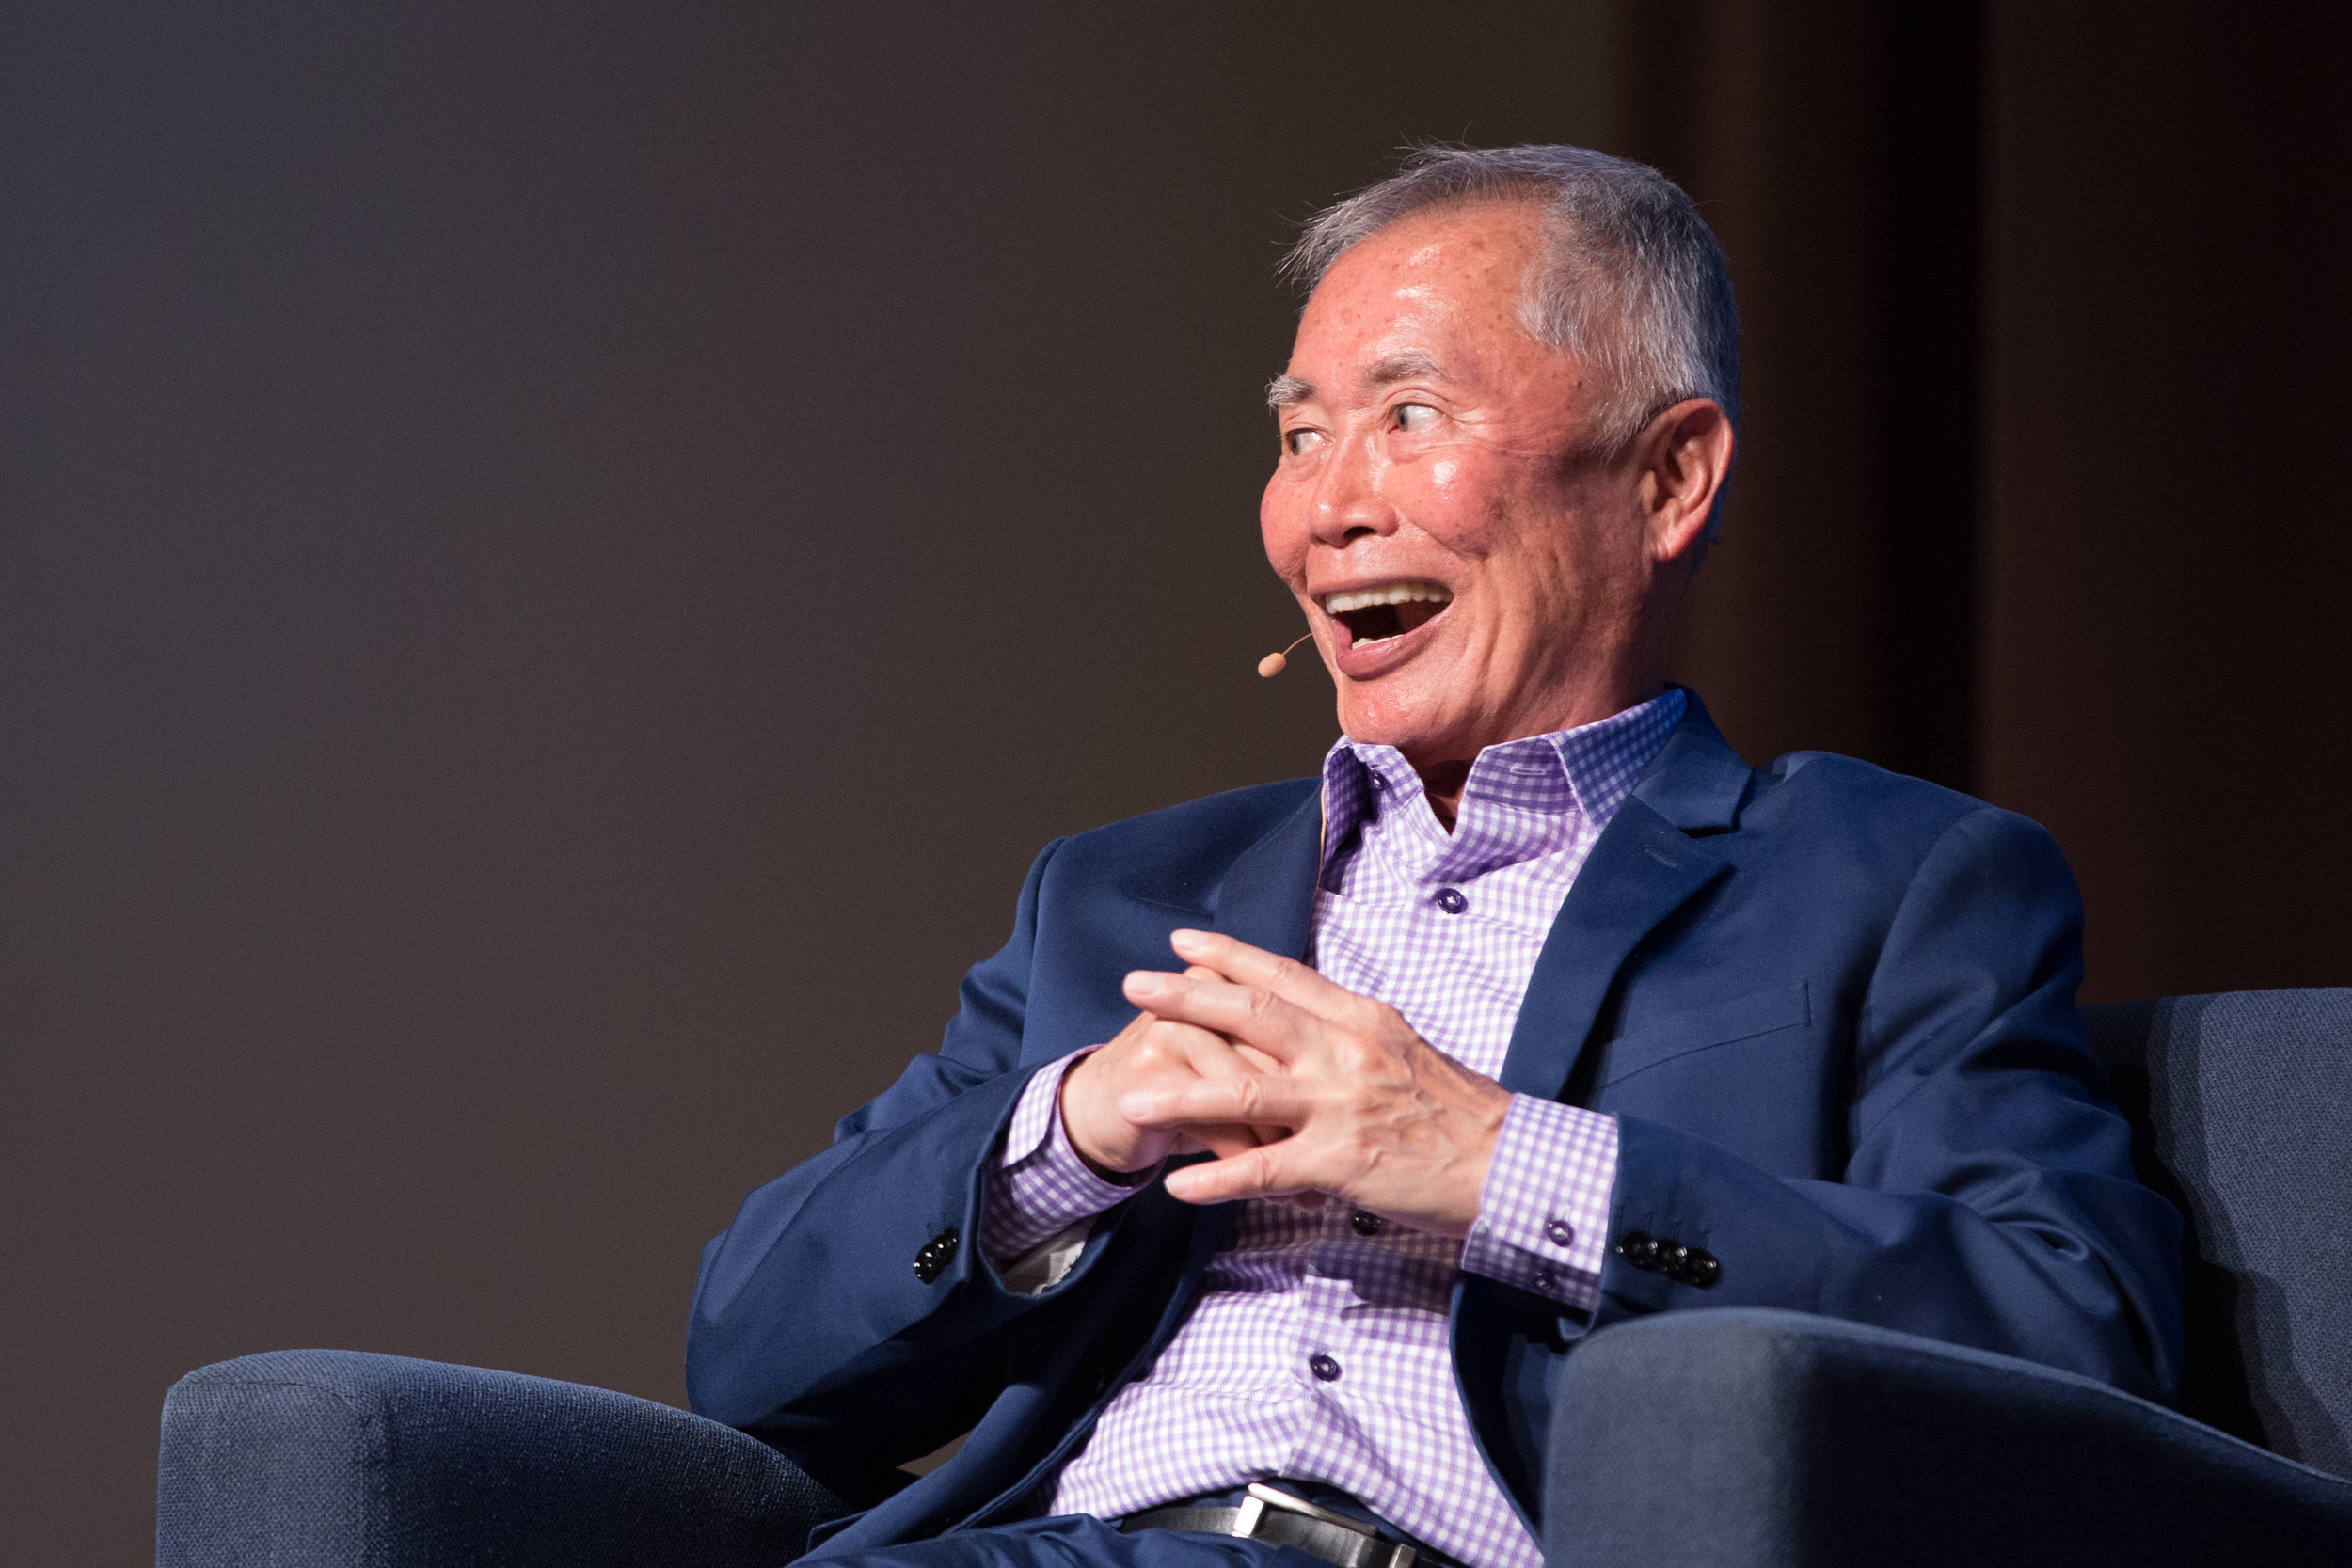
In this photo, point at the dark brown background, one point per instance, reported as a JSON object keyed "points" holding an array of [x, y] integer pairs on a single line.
{"points": [[557, 561]]}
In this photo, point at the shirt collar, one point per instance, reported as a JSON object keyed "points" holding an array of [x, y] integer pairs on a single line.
{"points": [[1523, 798]]}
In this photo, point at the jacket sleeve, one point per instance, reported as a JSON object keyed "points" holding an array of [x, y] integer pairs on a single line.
{"points": [[812, 1322], [1987, 1196]]}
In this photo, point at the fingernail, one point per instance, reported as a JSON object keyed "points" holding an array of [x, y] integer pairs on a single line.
{"points": [[1184, 939], [1144, 982]]}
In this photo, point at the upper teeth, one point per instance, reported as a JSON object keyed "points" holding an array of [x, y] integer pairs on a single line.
{"points": [[1388, 593]]}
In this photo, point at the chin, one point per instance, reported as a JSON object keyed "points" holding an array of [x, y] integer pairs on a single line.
{"points": [[1404, 727]]}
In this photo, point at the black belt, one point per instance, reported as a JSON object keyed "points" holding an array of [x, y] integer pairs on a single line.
{"points": [[1276, 1517]]}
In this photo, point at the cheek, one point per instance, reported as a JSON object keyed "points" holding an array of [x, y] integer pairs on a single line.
{"points": [[1280, 529], [1461, 501]]}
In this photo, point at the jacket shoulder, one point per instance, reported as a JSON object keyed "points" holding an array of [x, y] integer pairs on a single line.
{"points": [[1825, 779], [1867, 809]]}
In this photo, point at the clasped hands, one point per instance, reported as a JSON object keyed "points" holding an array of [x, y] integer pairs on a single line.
{"points": [[1300, 1087]]}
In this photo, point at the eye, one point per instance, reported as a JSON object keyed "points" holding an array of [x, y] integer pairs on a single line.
{"points": [[1299, 442], [1414, 416]]}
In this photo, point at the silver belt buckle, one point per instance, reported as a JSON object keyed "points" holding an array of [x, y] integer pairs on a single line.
{"points": [[1262, 1496]]}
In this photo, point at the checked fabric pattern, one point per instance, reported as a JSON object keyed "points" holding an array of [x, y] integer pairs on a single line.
{"points": [[1317, 1348]]}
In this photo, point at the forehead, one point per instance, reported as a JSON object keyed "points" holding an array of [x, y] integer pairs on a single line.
{"points": [[1442, 286]]}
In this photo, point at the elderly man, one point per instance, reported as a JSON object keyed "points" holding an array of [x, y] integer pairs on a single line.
{"points": [[1540, 1009]]}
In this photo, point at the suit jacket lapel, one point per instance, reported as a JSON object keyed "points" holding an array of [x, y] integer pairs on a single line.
{"points": [[1268, 895], [1696, 780], [1267, 899], [1644, 868]]}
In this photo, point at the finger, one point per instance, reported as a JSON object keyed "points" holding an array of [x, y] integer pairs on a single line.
{"points": [[1223, 1142], [1212, 1055], [1254, 1100], [1262, 1172], [1218, 1058], [1287, 978], [1246, 1014], [1231, 1139], [1255, 1058], [1175, 1044]]}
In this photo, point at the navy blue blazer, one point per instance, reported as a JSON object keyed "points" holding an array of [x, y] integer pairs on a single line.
{"points": [[1831, 1007]]}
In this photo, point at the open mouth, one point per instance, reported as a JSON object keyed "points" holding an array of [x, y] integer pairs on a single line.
{"points": [[1377, 614]]}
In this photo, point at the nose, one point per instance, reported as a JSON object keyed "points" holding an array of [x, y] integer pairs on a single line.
{"points": [[1349, 502]]}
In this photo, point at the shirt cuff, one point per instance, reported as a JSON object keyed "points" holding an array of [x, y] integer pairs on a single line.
{"points": [[1040, 1186], [1543, 1215]]}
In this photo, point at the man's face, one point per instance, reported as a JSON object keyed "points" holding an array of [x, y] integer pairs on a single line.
{"points": [[1472, 569]]}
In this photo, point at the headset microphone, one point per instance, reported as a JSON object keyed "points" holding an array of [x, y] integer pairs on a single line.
{"points": [[1274, 664]]}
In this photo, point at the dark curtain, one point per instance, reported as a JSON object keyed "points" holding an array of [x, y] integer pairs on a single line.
{"points": [[2044, 318]]}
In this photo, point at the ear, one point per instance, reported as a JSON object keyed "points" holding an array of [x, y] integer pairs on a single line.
{"points": [[1684, 456]]}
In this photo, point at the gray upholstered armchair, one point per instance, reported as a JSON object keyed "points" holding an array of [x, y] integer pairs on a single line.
{"points": [[1692, 1438]]}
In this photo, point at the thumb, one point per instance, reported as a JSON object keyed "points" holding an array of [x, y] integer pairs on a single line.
{"points": [[1261, 1172]]}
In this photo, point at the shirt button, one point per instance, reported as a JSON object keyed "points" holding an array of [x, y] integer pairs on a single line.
{"points": [[1544, 1280], [1366, 1225], [1451, 900], [1379, 782], [1324, 1368], [1559, 1232]]}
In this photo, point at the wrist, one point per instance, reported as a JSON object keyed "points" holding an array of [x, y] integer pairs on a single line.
{"points": [[1113, 1174], [1077, 1132]]}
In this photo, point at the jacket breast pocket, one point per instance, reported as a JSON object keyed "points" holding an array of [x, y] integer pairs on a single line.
{"points": [[1742, 1018]]}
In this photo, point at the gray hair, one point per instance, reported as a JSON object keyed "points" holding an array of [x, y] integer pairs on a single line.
{"points": [[1632, 279]]}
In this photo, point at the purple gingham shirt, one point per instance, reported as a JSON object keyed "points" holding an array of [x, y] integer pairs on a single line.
{"points": [[1317, 1348]]}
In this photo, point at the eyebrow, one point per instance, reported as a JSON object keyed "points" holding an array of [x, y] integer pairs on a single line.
{"points": [[1404, 367], [1284, 390]]}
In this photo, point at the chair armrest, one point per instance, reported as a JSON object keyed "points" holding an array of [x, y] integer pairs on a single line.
{"points": [[1745, 1438], [302, 1458]]}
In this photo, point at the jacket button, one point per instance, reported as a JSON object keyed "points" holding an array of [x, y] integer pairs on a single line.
{"points": [[1701, 1268], [1366, 1225], [1637, 1248], [1668, 1259], [937, 1254]]}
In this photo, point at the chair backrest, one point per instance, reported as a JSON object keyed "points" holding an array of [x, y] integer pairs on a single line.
{"points": [[2241, 1112]]}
